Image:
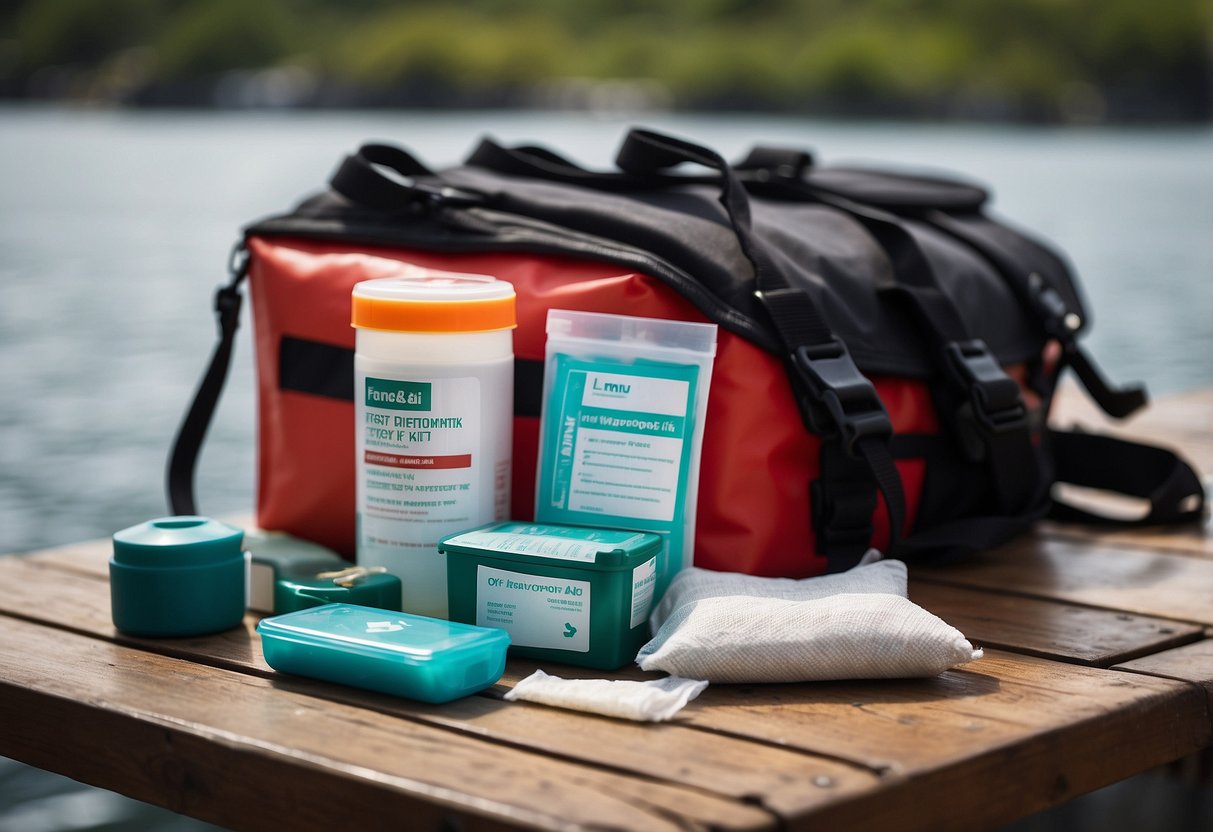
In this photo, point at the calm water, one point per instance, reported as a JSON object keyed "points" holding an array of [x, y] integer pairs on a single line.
{"points": [[115, 228]]}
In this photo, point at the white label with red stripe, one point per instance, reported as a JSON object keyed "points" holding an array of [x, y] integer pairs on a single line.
{"points": [[418, 442]]}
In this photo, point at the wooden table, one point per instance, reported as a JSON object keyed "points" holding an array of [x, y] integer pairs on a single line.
{"points": [[1098, 666]]}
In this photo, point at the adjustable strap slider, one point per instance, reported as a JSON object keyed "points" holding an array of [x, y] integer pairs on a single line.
{"points": [[227, 307], [840, 401], [995, 398]]}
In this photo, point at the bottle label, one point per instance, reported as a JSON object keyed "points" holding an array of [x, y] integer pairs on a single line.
{"points": [[420, 460]]}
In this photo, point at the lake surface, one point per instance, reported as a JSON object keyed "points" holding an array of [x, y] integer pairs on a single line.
{"points": [[115, 228]]}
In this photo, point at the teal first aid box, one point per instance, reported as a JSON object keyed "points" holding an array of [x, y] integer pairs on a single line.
{"points": [[567, 594], [384, 650]]}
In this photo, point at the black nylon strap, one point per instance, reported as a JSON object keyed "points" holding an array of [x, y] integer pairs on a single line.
{"points": [[384, 177], [819, 362], [1047, 304], [1171, 486], [360, 177], [841, 504], [999, 435], [1117, 402], [946, 542], [321, 369], [315, 368], [183, 459], [785, 162], [541, 163]]}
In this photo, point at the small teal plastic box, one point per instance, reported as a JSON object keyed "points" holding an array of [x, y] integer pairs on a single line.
{"points": [[391, 652]]}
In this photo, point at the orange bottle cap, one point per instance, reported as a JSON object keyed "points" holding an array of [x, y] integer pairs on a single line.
{"points": [[431, 301]]}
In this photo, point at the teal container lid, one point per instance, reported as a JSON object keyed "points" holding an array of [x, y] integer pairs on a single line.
{"points": [[413, 656], [177, 576], [172, 542], [548, 543]]}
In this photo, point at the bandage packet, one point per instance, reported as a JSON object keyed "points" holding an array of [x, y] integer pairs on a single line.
{"points": [[657, 700]]}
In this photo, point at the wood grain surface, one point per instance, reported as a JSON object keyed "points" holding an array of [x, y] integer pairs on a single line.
{"points": [[1097, 666]]}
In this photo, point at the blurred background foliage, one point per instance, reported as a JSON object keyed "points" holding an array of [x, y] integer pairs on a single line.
{"points": [[1033, 60]]}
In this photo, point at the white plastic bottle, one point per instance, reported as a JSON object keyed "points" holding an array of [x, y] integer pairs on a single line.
{"points": [[434, 408]]}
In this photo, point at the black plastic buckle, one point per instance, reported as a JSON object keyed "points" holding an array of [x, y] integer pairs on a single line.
{"points": [[995, 398], [228, 298], [227, 308], [840, 401]]}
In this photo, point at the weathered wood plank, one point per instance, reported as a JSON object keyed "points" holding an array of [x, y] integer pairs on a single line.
{"points": [[785, 781], [1161, 584], [243, 752], [904, 726], [1010, 736], [1194, 539], [88, 558], [1190, 663], [916, 730], [1054, 630]]}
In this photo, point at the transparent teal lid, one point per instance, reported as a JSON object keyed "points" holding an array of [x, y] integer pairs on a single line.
{"points": [[393, 652]]}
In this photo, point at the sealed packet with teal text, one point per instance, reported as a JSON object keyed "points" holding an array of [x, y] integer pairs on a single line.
{"points": [[624, 402]]}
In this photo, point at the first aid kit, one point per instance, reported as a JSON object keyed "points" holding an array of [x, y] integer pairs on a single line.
{"points": [[886, 352]]}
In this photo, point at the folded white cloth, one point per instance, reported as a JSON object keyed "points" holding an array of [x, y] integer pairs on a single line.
{"points": [[694, 584], [853, 625], [655, 701]]}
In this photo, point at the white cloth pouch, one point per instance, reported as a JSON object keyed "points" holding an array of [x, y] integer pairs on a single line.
{"points": [[854, 625]]}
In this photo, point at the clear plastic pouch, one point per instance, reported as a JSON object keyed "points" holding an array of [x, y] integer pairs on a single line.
{"points": [[624, 401]]}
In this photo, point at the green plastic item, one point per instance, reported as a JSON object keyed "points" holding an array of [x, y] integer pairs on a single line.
{"points": [[290, 574], [177, 576], [391, 652], [312, 583], [568, 594]]}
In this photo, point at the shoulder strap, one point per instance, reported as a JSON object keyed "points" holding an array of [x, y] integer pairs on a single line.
{"points": [[183, 459], [1170, 485], [538, 162], [384, 177]]}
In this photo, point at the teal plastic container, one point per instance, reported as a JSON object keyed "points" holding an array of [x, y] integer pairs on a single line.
{"points": [[420, 658], [307, 584], [177, 576], [566, 594], [289, 574]]}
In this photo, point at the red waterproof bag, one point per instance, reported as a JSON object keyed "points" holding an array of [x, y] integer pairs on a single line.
{"points": [[885, 359]]}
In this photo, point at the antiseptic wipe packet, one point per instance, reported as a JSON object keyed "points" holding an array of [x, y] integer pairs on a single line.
{"points": [[622, 426]]}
